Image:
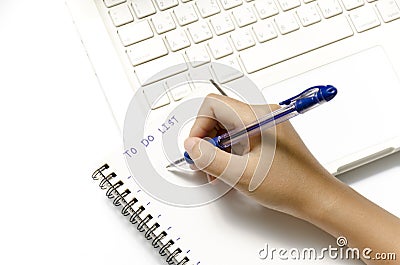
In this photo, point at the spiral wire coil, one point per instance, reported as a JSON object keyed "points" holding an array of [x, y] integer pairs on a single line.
{"points": [[113, 188]]}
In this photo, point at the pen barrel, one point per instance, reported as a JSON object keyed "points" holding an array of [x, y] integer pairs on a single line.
{"points": [[264, 123]]}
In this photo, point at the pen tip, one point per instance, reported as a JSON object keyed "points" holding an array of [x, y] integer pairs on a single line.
{"points": [[175, 163], [170, 165]]}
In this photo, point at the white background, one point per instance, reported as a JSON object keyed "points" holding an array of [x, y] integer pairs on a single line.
{"points": [[55, 128]]}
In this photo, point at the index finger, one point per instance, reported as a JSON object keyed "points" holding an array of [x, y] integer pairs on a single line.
{"points": [[217, 109]]}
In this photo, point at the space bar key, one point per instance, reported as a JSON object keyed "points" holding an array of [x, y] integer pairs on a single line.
{"points": [[296, 43]]}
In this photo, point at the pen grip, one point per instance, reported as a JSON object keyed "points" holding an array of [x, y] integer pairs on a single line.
{"points": [[214, 141]]}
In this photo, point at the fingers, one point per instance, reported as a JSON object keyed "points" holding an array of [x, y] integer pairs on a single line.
{"points": [[204, 155], [231, 114], [213, 161], [217, 109]]}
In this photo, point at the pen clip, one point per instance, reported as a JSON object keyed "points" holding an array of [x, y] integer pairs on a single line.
{"points": [[305, 93]]}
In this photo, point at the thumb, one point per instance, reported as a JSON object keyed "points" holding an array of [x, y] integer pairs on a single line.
{"points": [[206, 156]]}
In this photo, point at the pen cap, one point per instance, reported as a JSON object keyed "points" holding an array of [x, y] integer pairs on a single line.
{"points": [[324, 94], [327, 93]]}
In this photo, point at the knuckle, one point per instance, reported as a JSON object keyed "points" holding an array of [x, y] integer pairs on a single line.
{"points": [[212, 96]]}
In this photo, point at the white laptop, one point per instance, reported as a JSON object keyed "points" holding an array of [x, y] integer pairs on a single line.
{"points": [[283, 46]]}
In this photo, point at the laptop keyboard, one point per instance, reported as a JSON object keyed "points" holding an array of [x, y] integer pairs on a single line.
{"points": [[162, 33]]}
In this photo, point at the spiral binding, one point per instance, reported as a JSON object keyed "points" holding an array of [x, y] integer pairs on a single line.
{"points": [[119, 199]]}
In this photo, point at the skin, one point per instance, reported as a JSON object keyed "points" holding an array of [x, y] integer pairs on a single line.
{"points": [[294, 182]]}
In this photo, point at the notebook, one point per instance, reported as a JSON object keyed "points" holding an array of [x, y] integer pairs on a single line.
{"points": [[230, 230]]}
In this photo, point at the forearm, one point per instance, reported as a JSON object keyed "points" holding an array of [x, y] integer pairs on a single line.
{"points": [[344, 212]]}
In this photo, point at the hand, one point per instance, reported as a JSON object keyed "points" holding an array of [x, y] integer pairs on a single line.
{"points": [[262, 169], [287, 177]]}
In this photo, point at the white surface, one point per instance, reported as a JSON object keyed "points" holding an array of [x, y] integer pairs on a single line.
{"points": [[55, 126]]}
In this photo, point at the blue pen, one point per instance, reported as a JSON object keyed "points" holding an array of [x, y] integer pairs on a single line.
{"points": [[299, 104]]}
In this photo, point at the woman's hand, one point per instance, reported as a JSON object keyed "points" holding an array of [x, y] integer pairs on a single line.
{"points": [[277, 170]]}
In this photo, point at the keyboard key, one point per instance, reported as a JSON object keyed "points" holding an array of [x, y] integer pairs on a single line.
{"points": [[266, 8], [388, 10], [179, 92], [111, 3], [197, 55], [143, 8], [156, 95], [178, 86], [364, 18], [264, 30], [177, 40], [308, 14], [220, 47], [200, 31], [288, 4], [244, 16], [198, 76], [329, 8], [226, 69], [185, 14], [228, 4], [207, 7], [286, 22], [305, 40], [146, 51], [242, 39], [120, 15], [135, 32], [161, 68], [351, 4], [165, 4], [222, 24], [163, 22]]}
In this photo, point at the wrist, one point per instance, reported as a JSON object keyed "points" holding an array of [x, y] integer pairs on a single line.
{"points": [[322, 201]]}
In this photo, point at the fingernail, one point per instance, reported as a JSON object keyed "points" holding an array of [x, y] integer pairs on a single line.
{"points": [[190, 143]]}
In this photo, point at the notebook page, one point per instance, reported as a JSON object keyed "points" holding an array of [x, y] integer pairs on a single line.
{"points": [[230, 230]]}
